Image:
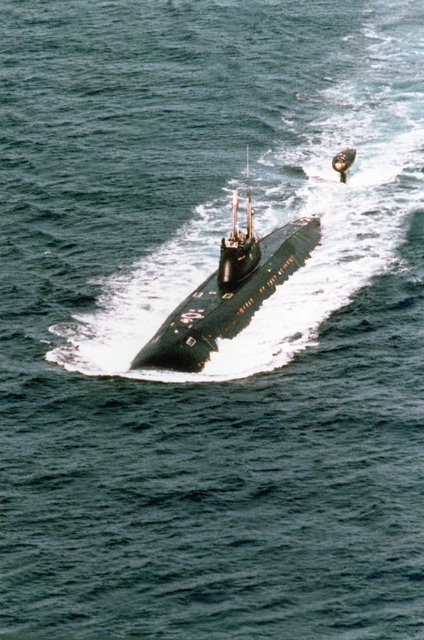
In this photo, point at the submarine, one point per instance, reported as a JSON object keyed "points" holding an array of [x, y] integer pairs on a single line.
{"points": [[248, 273]]}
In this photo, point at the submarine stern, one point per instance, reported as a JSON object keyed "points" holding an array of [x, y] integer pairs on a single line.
{"points": [[342, 163]]}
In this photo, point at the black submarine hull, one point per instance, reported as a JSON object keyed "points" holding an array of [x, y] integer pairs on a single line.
{"points": [[188, 336]]}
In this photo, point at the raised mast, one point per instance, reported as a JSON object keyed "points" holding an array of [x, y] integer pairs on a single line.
{"points": [[235, 207], [249, 209]]}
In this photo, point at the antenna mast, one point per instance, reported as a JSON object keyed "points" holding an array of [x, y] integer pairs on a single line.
{"points": [[249, 204], [235, 207]]}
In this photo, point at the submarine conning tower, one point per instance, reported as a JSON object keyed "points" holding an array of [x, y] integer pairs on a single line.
{"points": [[240, 253], [342, 162]]}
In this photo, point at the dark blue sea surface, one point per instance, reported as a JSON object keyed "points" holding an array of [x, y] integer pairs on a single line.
{"points": [[279, 494]]}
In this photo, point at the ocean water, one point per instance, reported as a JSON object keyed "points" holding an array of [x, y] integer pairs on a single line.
{"points": [[279, 494]]}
